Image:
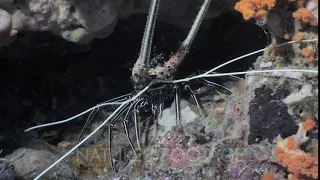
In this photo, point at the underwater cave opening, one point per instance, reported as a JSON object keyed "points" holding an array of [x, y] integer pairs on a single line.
{"points": [[45, 79]]}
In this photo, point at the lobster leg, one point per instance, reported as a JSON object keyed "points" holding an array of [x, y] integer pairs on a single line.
{"points": [[110, 147], [210, 83], [195, 99], [89, 119], [136, 125], [110, 126], [125, 125], [176, 101]]}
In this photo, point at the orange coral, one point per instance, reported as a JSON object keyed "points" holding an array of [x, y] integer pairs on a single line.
{"points": [[308, 124], [308, 52], [292, 177], [290, 144], [300, 164], [268, 176], [306, 16], [298, 37], [254, 8]]}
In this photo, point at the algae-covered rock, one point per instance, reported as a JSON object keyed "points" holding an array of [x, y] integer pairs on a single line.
{"points": [[78, 35], [33, 162]]}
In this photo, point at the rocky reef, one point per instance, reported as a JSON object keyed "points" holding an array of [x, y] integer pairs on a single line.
{"points": [[80, 21], [260, 126]]}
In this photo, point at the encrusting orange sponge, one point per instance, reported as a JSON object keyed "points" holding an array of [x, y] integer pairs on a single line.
{"points": [[288, 153], [308, 52], [308, 124], [306, 16], [268, 176], [298, 37], [254, 8]]}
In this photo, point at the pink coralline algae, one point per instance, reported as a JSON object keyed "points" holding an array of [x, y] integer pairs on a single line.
{"points": [[178, 155], [182, 158]]}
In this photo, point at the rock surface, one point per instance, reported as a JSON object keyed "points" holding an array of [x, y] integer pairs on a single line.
{"points": [[7, 171], [34, 162], [234, 139], [80, 21]]}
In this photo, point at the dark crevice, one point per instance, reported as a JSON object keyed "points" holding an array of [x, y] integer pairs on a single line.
{"points": [[45, 79]]}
